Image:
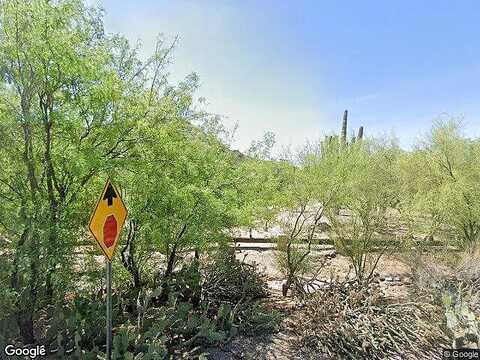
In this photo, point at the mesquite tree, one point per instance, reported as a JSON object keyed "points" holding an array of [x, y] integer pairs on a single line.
{"points": [[183, 195], [64, 118], [72, 98]]}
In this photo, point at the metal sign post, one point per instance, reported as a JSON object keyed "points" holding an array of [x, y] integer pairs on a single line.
{"points": [[109, 310], [106, 224]]}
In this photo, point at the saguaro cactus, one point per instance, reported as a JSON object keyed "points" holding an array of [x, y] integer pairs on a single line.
{"points": [[360, 133], [342, 139], [343, 135]]}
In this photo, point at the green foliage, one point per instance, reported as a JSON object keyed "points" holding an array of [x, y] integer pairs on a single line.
{"points": [[311, 184], [182, 191], [80, 323], [71, 96], [79, 105], [257, 320], [368, 196], [445, 190], [262, 149], [286, 257]]}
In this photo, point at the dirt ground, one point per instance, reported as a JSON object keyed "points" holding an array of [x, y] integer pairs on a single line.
{"points": [[392, 270]]}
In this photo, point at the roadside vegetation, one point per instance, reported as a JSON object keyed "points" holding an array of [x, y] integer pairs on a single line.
{"points": [[79, 105]]}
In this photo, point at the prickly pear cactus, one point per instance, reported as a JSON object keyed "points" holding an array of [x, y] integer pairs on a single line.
{"points": [[461, 321], [156, 351], [120, 344]]}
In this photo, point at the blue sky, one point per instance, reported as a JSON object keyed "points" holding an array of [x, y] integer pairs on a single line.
{"points": [[292, 67]]}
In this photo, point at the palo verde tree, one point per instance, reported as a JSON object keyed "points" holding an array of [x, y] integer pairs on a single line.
{"points": [[443, 174], [368, 195], [311, 186]]}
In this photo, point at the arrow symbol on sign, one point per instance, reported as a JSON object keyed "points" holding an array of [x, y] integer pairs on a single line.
{"points": [[109, 195]]}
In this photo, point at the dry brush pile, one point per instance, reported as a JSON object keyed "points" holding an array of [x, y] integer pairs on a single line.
{"points": [[239, 286], [354, 321]]}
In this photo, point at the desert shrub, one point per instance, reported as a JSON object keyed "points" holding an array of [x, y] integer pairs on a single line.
{"points": [[445, 191], [180, 328], [176, 328], [294, 262], [77, 324], [206, 305], [300, 271], [310, 186], [352, 321], [304, 264]]}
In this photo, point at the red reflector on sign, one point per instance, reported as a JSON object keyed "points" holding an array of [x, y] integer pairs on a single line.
{"points": [[110, 231]]}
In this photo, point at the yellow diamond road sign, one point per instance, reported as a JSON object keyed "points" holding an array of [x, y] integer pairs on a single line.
{"points": [[108, 219]]}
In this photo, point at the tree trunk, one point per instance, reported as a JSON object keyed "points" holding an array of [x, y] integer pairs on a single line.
{"points": [[197, 290], [167, 276], [286, 286], [25, 311], [171, 262], [46, 104], [25, 324], [128, 255]]}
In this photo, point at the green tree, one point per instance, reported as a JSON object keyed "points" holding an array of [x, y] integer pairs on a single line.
{"points": [[442, 177], [71, 99], [311, 185], [368, 196], [76, 106], [182, 188]]}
